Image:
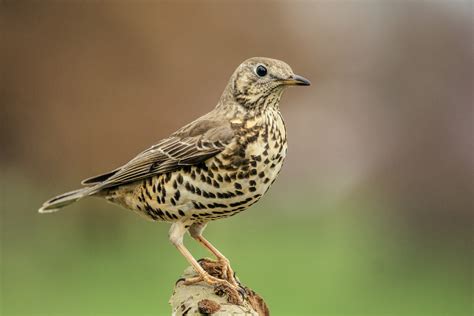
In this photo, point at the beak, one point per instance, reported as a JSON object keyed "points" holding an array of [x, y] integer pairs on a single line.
{"points": [[296, 80]]}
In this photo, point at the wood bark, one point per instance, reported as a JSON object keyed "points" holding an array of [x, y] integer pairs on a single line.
{"points": [[204, 299]]}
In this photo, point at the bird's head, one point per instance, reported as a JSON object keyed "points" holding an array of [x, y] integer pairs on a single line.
{"points": [[259, 79]]}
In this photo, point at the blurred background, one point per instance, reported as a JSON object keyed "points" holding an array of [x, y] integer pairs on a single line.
{"points": [[371, 215]]}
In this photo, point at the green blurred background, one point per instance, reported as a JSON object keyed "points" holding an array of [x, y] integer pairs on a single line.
{"points": [[372, 213]]}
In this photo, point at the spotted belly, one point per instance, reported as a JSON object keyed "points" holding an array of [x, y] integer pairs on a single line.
{"points": [[223, 186]]}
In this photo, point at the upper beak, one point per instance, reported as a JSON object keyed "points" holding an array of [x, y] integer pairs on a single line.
{"points": [[296, 80]]}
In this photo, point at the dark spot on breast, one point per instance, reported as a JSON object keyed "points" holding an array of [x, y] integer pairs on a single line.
{"points": [[147, 193], [203, 166], [160, 213], [215, 205], [179, 179], [181, 212], [237, 185], [241, 202], [252, 138], [189, 187], [241, 152]]}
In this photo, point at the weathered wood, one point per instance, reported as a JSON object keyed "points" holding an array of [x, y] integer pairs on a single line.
{"points": [[203, 299]]}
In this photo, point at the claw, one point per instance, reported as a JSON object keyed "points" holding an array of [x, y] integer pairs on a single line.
{"points": [[227, 272], [180, 280], [221, 287], [242, 292]]}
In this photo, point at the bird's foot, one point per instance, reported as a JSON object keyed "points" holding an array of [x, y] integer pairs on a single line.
{"points": [[220, 269], [227, 272], [235, 294]]}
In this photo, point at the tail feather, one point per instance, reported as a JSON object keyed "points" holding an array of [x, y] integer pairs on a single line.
{"points": [[64, 199], [100, 178]]}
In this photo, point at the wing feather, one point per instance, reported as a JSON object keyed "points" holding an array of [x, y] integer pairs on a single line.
{"points": [[191, 145]]}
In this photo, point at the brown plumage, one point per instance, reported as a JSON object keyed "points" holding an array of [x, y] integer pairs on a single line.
{"points": [[214, 167]]}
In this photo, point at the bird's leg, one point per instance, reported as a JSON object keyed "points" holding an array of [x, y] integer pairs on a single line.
{"points": [[176, 233], [196, 232]]}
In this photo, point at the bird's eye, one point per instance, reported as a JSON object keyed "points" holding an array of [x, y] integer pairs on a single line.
{"points": [[261, 71]]}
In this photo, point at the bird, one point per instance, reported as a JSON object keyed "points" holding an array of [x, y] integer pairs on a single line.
{"points": [[212, 168]]}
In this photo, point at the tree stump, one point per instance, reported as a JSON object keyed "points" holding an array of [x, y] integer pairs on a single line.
{"points": [[204, 299]]}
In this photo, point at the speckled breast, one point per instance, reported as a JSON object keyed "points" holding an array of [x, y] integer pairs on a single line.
{"points": [[224, 185]]}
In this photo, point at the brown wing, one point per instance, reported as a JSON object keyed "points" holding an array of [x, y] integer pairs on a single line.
{"points": [[191, 145]]}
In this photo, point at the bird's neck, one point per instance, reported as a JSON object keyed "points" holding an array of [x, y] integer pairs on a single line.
{"points": [[233, 108]]}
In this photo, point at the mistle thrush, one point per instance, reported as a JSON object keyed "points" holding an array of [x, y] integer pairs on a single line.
{"points": [[212, 168]]}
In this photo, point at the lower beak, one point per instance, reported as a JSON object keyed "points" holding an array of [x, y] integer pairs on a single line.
{"points": [[296, 80]]}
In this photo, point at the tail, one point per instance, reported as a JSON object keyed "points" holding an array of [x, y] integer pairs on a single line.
{"points": [[64, 199]]}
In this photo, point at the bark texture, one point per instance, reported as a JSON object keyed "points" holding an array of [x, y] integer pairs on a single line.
{"points": [[203, 299]]}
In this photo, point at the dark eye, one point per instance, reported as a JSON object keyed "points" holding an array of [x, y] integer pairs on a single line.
{"points": [[261, 71]]}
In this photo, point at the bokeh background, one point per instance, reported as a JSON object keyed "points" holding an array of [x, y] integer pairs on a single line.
{"points": [[372, 213]]}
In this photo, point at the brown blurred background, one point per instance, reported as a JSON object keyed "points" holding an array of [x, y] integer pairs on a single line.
{"points": [[387, 122]]}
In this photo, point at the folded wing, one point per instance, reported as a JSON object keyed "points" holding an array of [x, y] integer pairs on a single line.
{"points": [[191, 145]]}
